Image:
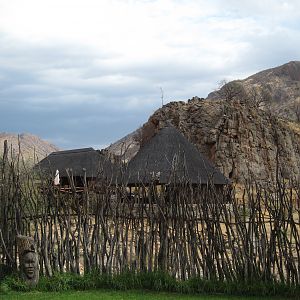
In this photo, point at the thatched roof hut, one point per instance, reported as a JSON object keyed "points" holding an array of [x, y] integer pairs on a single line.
{"points": [[78, 162], [169, 154]]}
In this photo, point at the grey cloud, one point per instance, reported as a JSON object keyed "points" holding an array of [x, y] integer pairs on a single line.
{"points": [[77, 97], [269, 51], [73, 115]]}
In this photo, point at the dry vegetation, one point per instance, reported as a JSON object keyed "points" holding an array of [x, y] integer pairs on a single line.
{"points": [[294, 126]]}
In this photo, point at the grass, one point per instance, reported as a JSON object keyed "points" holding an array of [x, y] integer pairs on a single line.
{"points": [[158, 285], [123, 295]]}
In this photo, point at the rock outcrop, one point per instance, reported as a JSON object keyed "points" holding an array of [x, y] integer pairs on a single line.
{"points": [[247, 129], [243, 141]]}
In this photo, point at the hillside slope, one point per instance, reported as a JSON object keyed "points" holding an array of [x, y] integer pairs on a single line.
{"points": [[126, 147], [31, 146], [280, 88]]}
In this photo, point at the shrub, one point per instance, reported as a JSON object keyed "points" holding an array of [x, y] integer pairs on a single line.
{"points": [[157, 281], [4, 288], [57, 283], [13, 282]]}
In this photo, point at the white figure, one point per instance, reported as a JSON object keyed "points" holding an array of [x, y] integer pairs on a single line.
{"points": [[56, 178]]}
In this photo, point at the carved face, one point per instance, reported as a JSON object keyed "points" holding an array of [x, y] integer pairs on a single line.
{"points": [[30, 264]]}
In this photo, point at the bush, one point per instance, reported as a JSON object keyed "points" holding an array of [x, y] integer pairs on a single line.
{"points": [[4, 288], [155, 281], [159, 281], [14, 283], [57, 283], [82, 283]]}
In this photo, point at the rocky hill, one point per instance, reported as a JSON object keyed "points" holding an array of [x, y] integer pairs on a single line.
{"points": [[277, 90], [243, 141], [31, 146], [242, 137]]}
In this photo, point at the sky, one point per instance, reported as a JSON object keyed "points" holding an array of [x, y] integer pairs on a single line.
{"points": [[83, 73]]}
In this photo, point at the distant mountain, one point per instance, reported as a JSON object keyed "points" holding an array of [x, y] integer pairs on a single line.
{"points": [[126, 147], [32, 147], [243, 140], [279, 88]]}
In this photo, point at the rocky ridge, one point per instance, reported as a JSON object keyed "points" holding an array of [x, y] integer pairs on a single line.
{"points": [[243, 139], [279, 87]]}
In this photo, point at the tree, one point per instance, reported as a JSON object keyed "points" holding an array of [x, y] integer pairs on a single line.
{"points": [[259, 96], [231, 90]]}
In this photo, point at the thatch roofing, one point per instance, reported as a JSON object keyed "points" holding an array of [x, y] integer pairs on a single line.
{"points": [[168, 153], [77, 161]]}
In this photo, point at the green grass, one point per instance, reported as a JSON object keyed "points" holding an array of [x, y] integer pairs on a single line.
{"points": [[158, 285], [121, 295]]}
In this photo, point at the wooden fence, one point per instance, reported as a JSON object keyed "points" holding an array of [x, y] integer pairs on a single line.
{"points": [[184, 230]]}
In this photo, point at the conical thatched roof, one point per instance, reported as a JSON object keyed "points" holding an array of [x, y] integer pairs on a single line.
{"points": [[77, 161], [169, 153]]}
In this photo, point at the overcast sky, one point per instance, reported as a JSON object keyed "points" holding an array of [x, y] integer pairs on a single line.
{"points": [[87, 72]]}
